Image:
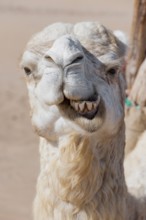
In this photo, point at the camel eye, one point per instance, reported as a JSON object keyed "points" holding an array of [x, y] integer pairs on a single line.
{"points": [[112, 71], [27, 70]]}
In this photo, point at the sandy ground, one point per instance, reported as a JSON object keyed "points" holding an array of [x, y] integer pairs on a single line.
{"points": [[19, 159]]}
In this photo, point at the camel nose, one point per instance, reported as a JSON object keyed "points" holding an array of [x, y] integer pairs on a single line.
{"points": [[65, 51]]}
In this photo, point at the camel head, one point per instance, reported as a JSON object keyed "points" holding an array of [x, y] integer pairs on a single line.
{"points": [[74, 75]]}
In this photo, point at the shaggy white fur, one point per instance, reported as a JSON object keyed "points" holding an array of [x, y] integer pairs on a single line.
{"points": [[76, 89]]}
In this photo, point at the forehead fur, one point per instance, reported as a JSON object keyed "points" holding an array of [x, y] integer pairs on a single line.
{"points": [[93, 36]]}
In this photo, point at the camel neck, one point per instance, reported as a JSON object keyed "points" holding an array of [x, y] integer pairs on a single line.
{"points": [[86, 177]]}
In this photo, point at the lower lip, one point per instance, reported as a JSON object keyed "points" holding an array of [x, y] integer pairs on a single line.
{"points": [[89, 115]]}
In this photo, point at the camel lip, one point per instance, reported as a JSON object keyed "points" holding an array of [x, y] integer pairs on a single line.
{"points": [[90, 115]]}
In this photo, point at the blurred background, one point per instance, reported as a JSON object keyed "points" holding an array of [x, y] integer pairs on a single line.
{"points": [[19, 20]]}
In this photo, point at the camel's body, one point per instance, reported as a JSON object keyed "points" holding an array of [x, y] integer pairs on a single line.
{"points": [[76, 92]]}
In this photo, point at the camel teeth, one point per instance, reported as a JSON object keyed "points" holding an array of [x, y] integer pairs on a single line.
{"points": [[89, 105], [98, 100], [94, 105], [82, 106], [76, 106], [72, 103], [85, 106]]}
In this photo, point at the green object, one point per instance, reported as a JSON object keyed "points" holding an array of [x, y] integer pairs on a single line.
{"points": [[128, 102]]}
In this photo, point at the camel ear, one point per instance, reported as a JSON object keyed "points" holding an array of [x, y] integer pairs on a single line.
{"points": [[121, 36], [122, 41]]}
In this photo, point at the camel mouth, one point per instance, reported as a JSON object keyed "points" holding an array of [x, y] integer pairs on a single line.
{"points": [[86, 109], [81, 108]]}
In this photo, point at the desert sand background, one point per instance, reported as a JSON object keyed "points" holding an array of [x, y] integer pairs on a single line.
{"points": [[19, 20]]}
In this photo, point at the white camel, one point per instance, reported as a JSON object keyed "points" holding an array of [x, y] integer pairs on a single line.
{"points": [[74, 75]]}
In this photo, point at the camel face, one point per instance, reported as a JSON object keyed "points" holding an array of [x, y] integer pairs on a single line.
{"points": [[76, 81]]}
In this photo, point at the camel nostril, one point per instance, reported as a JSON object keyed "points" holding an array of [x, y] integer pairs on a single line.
{"points": [[74, 60], [78, 59]]}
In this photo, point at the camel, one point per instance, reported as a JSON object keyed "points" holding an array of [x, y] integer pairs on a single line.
{"points": [[74, 75]]}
